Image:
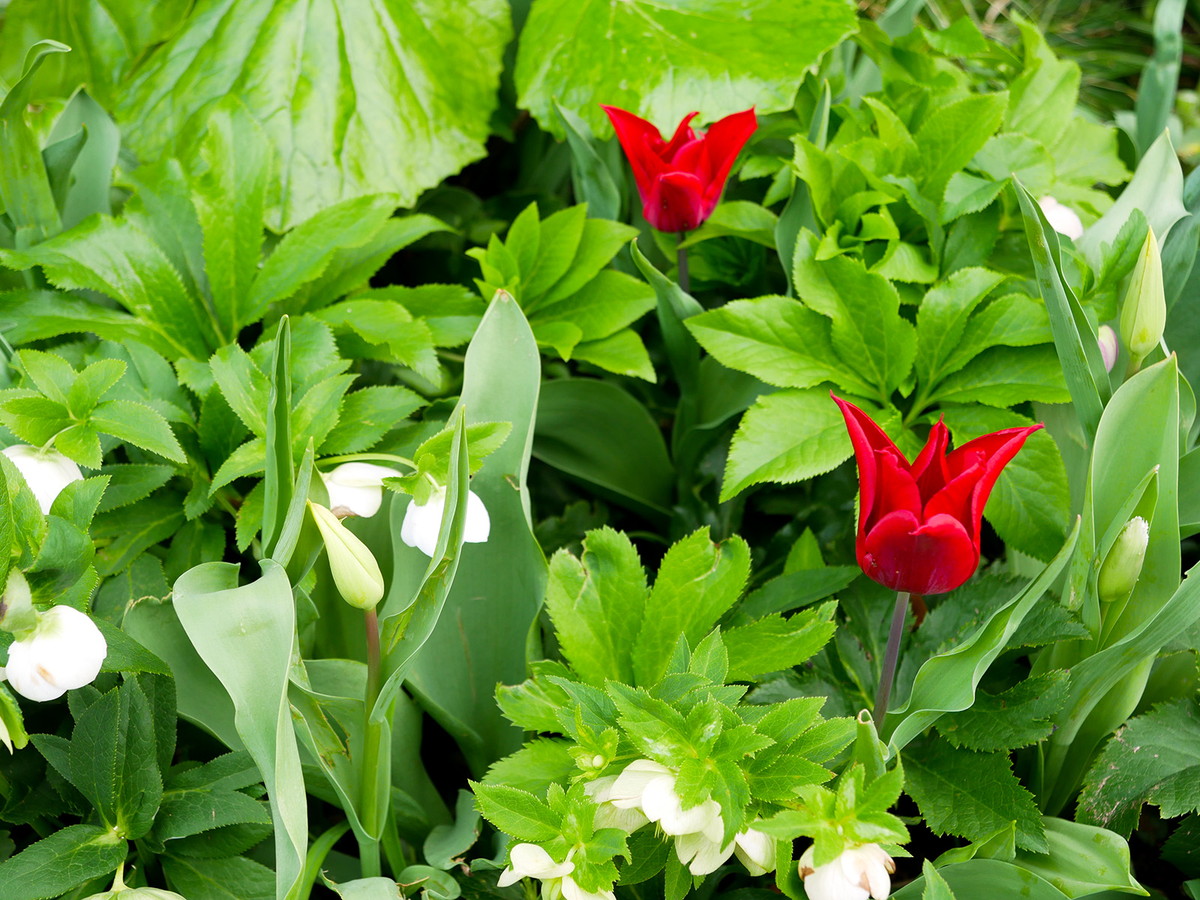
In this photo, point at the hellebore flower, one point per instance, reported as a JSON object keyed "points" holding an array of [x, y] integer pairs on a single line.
{"points": [[64, 652], [532, 861], [1109, 346], [1062, 219], [858, 874], [918, 523], [680, 180], [356, 488], [46, 472], [423, 521]]}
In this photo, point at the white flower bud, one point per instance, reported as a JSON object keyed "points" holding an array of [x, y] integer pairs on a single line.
{"points": [[857, 874], [355, 571], [46, 472], [1062, 219], [423, 521], [64, 652], [1109, 346], [356, 488]]}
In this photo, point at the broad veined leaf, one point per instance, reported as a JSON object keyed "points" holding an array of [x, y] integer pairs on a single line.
{"points": [[355, 96], [664, 60]]}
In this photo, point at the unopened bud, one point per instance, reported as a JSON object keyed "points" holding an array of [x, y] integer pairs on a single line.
{"points": [[1144, 311], [355, 571], [1123, 565], [1109, 347]]}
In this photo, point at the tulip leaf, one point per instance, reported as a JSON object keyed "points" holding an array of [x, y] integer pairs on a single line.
{"points": [[354, 97], [985, 878], [721, 59], [245, 635], [499, 583], [947, 681], [591, 430]]}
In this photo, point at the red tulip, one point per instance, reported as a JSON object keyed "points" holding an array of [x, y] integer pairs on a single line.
{"points": [[918, 524], [680, 180]]}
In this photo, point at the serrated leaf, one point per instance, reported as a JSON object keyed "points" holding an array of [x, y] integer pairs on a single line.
{"points": [[516, 812], [234, 878], [972, 795], [137, 424], [1018, 717], [60, 862], [773, 642]]}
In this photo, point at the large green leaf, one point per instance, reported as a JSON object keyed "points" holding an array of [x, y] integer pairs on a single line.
{"points": [[498, 586], [357, 96], [664, 60], [245, 636], [61, 861]]}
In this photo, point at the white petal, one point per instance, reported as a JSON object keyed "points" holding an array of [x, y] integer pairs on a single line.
{"points": [[572, 891], [532, 861], [422, 521], [357, 488], [65, 652], [661, 804], [626, 792], [1062, 219], [755, 850], [701, 855], [46, 472], [478, 524], [609, 815]]}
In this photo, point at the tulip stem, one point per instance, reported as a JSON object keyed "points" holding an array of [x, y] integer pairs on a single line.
{"points": [[685, 281], [372, 816], [890, 658]]}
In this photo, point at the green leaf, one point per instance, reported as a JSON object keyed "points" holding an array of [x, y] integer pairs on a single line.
{"points": [[774, 643], [234, 878], [61, 861], [592, 430], [304, 252], [737, 218], [1007, 376], [721, 60], [368, 414], [229, 198], [124, 534], [1083, 861], [947, 141], [1154, 759], [698, 582], [590, 177], [1017, 717], [334, 109], [137, 424], [1042, 99], [446, 844], [116, 258], [596, 604], [777, 340], [986, 878], [1158, 81], [942, 319], [786, 437], [972, 795], [517, 813], [245, 635]]}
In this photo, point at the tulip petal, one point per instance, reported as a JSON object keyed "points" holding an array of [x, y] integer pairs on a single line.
{"points": [[929, 468], [675, 202], [682, 137], [641, 142], [866, 437], [930, 558], [994, 451], [723, 141], [896, 488]]}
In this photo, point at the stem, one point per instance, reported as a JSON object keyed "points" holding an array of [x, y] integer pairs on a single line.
{"points": [[368, 847], [685, 281], [890, 658]]}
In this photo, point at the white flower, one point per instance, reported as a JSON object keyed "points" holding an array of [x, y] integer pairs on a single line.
{"points": [[756, 851], [532, 861], [701, 851], [423, 521], [1062, 219], [608, 814], [858, 874], [46, 472], [64, 652], [356, 488]]}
